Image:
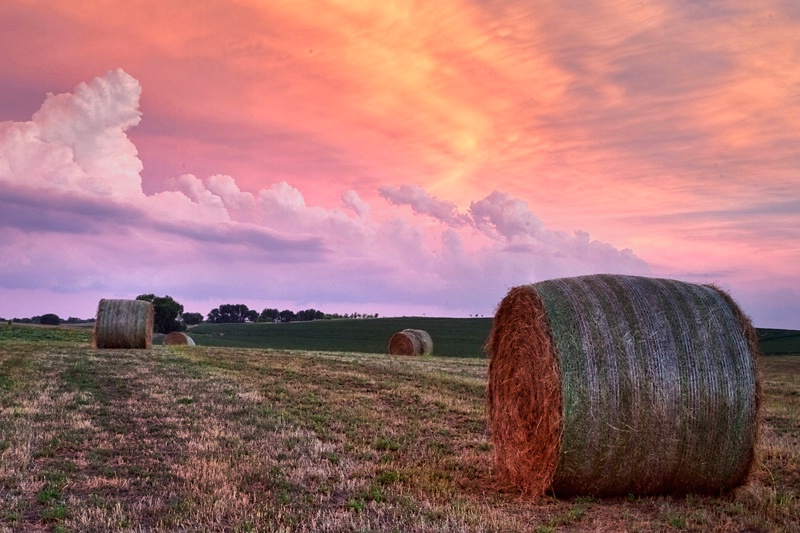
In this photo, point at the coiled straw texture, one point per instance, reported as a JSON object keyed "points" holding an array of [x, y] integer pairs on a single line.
{"points": [[123, 324], [611, 385], [411, 342]]}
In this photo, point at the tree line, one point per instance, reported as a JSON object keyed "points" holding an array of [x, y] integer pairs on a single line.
{"points": [[48, 319], [169, 315], [240, 313]]}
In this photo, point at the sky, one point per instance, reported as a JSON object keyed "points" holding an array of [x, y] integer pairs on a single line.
{"points": [[395, 157]]}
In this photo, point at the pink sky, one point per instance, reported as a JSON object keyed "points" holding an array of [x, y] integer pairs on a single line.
{"points": [[395, 157]]}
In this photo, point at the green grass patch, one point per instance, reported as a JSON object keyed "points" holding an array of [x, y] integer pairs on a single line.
{"points": [[778, 341], [37, 333], [452, 337]]}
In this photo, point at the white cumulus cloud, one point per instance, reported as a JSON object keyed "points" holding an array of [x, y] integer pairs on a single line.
{"points": [[78, 140]]}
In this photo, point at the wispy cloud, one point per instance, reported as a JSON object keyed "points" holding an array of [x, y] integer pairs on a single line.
{"points": [[421, 202]]}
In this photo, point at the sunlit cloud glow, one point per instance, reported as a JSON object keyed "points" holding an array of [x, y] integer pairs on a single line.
{"points": [[393, 156]]}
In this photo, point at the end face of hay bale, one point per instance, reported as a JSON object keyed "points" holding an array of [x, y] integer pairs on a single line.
{"points": [[411, 342], [178, 338], [658, 382], [124, 324], [523, 396]]}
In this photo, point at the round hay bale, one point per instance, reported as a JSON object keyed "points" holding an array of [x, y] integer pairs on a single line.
{"points": [[123, 324], [609, 385], [177, 338], [411, 342]]}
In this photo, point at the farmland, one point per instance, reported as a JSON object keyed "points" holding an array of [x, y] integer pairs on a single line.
{"points": [[238, 439], [779, 341], [453, 337]]}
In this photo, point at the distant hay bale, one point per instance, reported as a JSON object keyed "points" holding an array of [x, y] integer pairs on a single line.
{"points": [[178, 338], [609, 385], [411, 342], [123, 324]]}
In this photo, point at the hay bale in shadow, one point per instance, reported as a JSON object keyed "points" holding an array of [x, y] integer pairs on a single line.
{"points": [[178, 338], [411, 342], [609, 385], [123, 324]]}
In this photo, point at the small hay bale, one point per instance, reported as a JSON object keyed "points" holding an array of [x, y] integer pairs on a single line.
{"points": [[411, 342], [123, 324], [178, 338], [610, 385]]}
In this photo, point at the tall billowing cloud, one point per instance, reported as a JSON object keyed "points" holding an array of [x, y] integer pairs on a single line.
{"points": [[78, 141], [75, 222]]}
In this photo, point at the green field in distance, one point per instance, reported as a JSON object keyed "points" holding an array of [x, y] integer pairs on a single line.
{"points": [[452, 337]]}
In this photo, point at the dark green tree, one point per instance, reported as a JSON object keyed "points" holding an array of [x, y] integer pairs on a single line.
{"points": [[214, 316], [310, 314], [192, 319], [231, 313], [268, 315], [168, 313], [50, 319]]}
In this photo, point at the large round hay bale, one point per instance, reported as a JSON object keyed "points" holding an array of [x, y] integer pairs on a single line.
{"points": [[178, 338], [607, 385], [123, 324], [411, 342]]}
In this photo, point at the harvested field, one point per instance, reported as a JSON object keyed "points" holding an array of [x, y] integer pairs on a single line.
{"points": [[213, 439]]}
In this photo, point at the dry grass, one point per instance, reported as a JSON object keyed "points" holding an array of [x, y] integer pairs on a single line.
{"points": [[211, 439]]}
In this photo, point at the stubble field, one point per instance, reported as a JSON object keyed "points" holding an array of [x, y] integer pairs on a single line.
{"points": [[233, 439]]}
